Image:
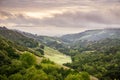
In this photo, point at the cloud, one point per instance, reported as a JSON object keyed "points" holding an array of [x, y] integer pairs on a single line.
{"points": [[78, 18], [85, 19], [74, 14], [53, 4], [5, 15]]}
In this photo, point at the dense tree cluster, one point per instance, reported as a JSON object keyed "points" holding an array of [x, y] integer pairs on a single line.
{"points": [[101, 59]]}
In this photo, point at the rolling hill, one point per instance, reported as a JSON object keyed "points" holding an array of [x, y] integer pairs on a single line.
{"points": [[92, 35]]}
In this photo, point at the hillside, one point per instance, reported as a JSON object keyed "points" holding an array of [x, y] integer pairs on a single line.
{"points": [[100, 58], [18, 37], [57, 56], [93, 35]]}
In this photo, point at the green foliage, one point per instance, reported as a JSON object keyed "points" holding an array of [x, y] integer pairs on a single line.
{"points": [[33, 74], [101, 65], [16, 76], [49, 68], [98, 58], [7, 51], [85, 76], [4, 59], [42, 46], [47, 61], [80, 76], [40, 50], [3, 77], [74, 77], [28, 59]]}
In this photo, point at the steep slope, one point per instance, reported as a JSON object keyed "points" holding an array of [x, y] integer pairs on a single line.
{"points": [[8, 50]]}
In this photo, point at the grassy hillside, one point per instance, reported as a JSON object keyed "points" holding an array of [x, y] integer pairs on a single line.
{"points": [[56, 56]]}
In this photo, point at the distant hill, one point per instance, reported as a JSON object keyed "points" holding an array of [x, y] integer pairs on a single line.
{"points": [[92, 35], [77, 41], [41, 38], [88, 35]]}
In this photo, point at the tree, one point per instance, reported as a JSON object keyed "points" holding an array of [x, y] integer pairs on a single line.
{"points": [[74, 77], [85, 75], [33, 74], [28, 59], [42, 46], [40, 50]]}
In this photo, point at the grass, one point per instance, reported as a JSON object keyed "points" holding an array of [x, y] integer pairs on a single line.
{"points": [[56, 56]]}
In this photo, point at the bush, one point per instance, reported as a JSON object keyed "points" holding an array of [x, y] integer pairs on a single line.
{"points": [[85, 75], [74, 77], [28, 59]]}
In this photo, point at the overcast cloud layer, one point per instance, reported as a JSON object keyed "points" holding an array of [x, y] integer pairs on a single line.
{"points": [[57, 17]]}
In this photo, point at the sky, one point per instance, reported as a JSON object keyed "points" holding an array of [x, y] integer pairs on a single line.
{"points": [[58, 17]]}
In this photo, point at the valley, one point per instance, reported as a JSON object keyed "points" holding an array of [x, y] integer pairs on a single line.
{"points": [[59, 39], [71, 56]]}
